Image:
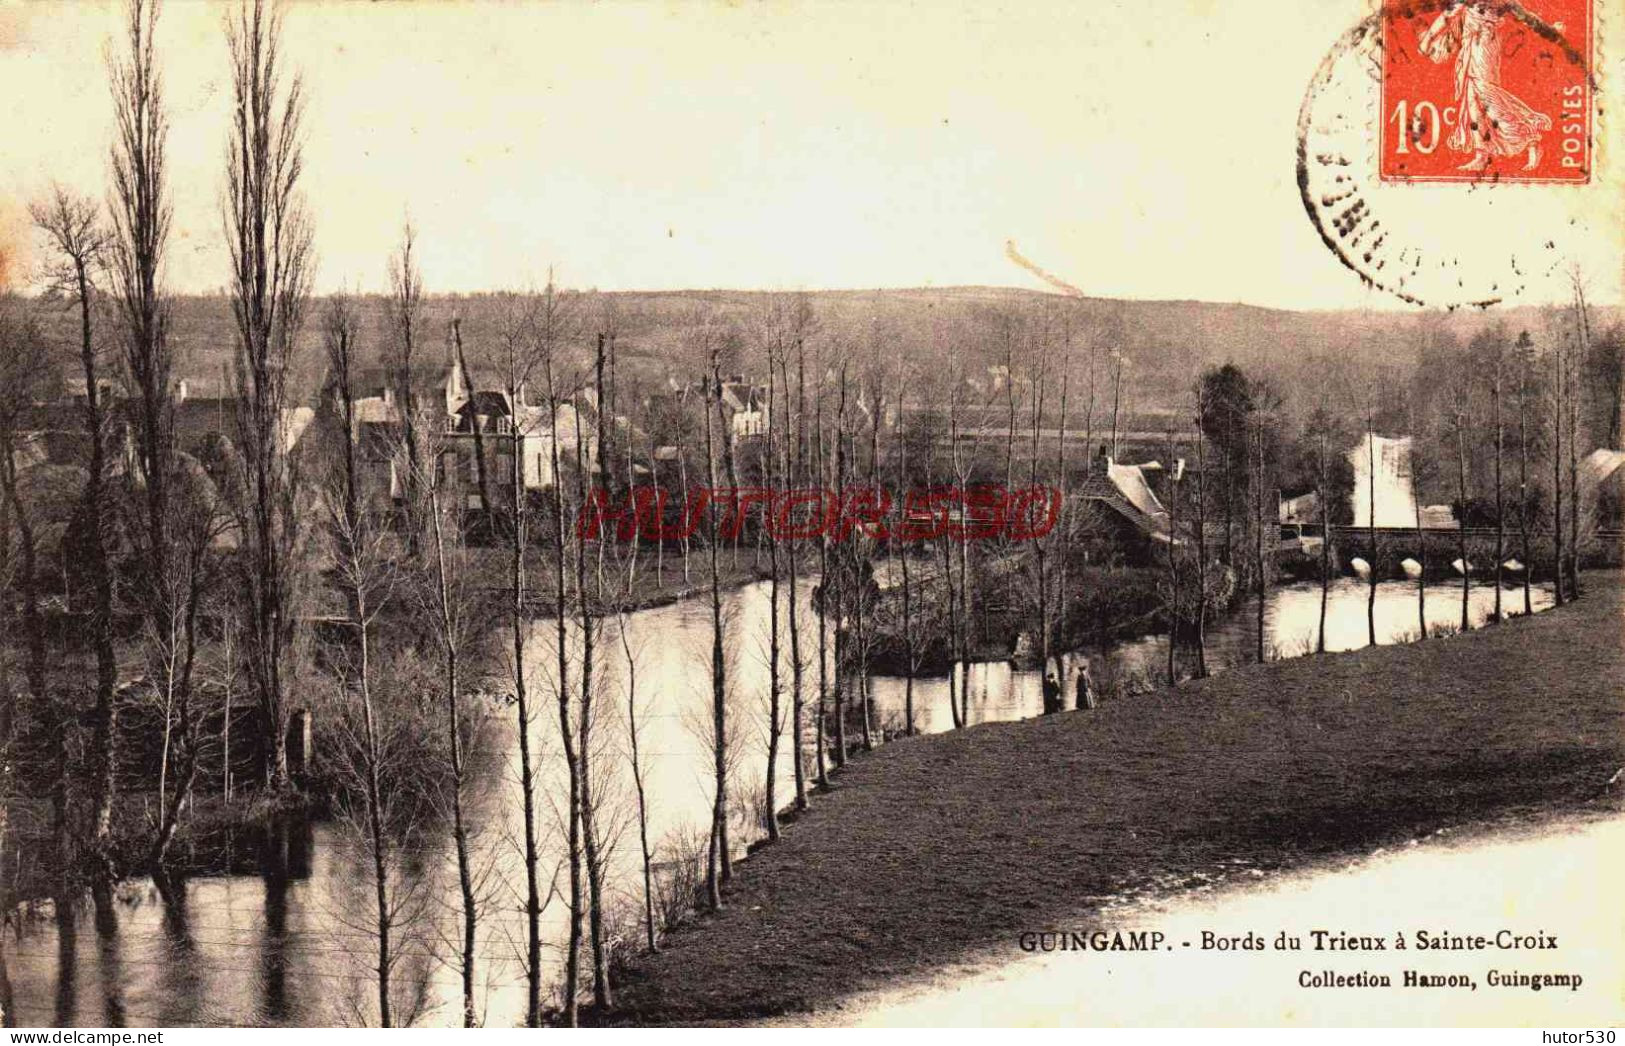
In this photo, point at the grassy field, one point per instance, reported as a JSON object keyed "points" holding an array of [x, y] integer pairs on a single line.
{"points": [[941, 848]]}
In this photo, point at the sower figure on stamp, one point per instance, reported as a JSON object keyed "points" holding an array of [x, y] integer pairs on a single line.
{"points": [[1490, 120]]}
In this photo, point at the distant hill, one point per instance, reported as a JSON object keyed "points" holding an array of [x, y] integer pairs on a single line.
{"points": [[1166, 342]]}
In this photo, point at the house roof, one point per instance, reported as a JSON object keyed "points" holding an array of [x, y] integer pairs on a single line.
{"points": [[487, 402], [1123, 488], [742, 396], [1130, 483]]}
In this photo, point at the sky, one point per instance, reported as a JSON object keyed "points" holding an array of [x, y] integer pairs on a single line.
{"points": [[1139, 149]]}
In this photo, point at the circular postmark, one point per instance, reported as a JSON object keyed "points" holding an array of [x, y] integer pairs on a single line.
{"points": [[1427, 174]]}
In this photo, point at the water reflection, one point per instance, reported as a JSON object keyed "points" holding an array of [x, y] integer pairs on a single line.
{"points": [[296, 944]]}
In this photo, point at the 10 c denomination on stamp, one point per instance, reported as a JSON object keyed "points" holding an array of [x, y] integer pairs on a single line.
{"points": [[1487, 90]]}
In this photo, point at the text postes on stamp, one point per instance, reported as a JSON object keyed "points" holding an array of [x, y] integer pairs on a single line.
{"points": [[1470, 226], [1474, 90]]}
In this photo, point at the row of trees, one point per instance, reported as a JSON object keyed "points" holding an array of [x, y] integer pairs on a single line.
{"points": [[144, 515], [1493, 430]]}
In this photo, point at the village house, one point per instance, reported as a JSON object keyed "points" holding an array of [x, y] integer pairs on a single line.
{"points": [[1129, 518], [745, 406], [462, 423]]}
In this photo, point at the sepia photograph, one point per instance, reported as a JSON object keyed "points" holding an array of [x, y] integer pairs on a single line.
{"points": [[785, 514]]}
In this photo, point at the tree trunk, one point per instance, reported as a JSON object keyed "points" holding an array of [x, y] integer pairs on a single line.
{"points": [[572, 963], [1371, 477], [1201, 549], [718, 867], [375, 825], [1323, 495], [644, 851], [1575, 391], [1461, 522], [101, 622], [1557, 479], [589, 826], [770, 813], [797, 669], [1500, 500], [1523, 479], [1259, 524], [448, 627]]}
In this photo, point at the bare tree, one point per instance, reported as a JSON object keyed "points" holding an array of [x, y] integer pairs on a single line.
{"points": [[635, 756], [268, 235], [719, 866], [378, 758], [774, 343], [1371, 512], [1415, 481], [181, 517], [30, 502], [341, 342], [1497, 375], [1460, 424], [902, 552], [836, 588], [449, 613], [1575, 394], [1039, 382], [81, 246], [1558, 387], [1174, 605], [404, 307], [195, 521], [1323, 428], [1525, 349], [524, 344], [23, 368], [21, 372], [1062, 536], [591, 842], [1263, 404], [793, 438], [867, 548], [365, 571], [821, 594], [1201, 537], [1120, 363], [959, 620]]}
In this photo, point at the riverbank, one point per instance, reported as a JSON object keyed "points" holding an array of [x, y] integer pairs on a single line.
{"points": [[943, 847], [657, 580]]}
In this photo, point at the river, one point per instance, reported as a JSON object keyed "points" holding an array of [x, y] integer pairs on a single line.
{"points": [[297, 948]]}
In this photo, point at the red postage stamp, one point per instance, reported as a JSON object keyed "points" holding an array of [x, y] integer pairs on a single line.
{"points": [[1487, 90]]}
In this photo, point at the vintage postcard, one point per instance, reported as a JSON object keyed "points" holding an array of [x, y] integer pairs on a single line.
{"points": [[791, 514]]}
